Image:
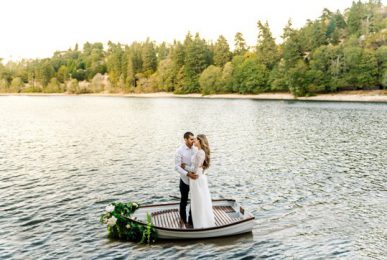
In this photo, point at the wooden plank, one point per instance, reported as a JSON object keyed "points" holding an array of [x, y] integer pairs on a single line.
{"points": [[172, 217], [224, 216], [225, 211], [167, 215], [222, 220], [165, 221], [166, 218], [217, 216], [180, 223], [218, 221], [176, 218], [154, 219], [161, 220], [228, 209]]}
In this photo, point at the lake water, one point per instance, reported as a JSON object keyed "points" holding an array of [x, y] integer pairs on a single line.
{"points": [[314, 174]]}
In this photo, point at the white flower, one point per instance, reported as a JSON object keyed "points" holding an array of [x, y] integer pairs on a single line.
{"points": [[135, 204], [109, 208], [112, 221], [127, 226]]}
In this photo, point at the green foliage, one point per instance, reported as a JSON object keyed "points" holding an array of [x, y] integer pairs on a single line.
{"points": [[197, 58], [162, 51], [4, 85], [292, 49], [53, 86], [227, 79], [267, 52], [63, 73], [73, 87], [147, 84], [381, 57], [277, 78], [336, 51], [222, 53], [319, 63], [360, 67], [166, 75], [313, 35], [115, 62], [16, 85], [240, 44], [44, 72], [297, 79], [149, 58], [179, 89], [251, 76], [365, 18], [121, 226], [211, 80], [93, 56]]}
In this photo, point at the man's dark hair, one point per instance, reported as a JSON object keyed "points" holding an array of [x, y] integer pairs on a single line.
{"points": [[187, 135]]}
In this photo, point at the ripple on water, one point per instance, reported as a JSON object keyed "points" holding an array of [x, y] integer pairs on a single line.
{"points": [[311, 173]]}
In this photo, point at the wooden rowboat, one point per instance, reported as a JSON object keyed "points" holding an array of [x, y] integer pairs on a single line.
{"points": [[230, 219]]}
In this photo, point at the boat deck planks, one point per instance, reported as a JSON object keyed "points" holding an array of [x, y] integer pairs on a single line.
{"points": [[170, 218]]}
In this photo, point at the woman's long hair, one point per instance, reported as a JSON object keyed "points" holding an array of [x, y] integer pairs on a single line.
{"points": [[206, 148]]}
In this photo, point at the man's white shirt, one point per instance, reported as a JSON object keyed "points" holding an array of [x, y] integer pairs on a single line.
{"points": [[184, 155]]}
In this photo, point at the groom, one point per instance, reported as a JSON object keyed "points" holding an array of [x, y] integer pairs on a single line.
{"points": [[183, 156]]}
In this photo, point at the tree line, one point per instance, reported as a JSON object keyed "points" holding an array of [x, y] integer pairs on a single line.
{"points": [[337, 51]]}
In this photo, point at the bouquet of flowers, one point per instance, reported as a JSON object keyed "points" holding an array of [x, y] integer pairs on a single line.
{"points": [[121, 226]]}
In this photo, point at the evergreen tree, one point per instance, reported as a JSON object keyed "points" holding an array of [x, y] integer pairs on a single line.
{"points": [[166, 75], [114, 62], [222, 53], [149, 58], [267, 52], [360, 67], [381, 56], [197, 58], [240, 44], [162, 51]]}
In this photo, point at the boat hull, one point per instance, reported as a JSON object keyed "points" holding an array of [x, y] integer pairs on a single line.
{"points": [[240, 228], [231, 219]]}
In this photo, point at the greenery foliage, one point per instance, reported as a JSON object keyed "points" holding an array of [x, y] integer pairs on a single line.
{"points": [[337, 51], [121, 226]]}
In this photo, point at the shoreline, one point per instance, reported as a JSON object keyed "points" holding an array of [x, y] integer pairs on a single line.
{"points": [[343, 96]]}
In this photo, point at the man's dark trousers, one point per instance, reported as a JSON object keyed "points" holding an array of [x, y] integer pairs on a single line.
{"points": [[184, 190]]}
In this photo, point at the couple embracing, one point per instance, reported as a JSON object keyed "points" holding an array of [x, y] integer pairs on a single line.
{"points": [[191, 161]]}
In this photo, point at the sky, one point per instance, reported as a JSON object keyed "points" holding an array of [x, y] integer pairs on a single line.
{"points": [[38, 28]]}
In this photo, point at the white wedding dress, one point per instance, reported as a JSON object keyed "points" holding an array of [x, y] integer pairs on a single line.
{"points": [[201, 203]]}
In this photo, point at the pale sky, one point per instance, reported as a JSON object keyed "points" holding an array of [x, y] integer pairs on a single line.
{"points": [[37, 28]]}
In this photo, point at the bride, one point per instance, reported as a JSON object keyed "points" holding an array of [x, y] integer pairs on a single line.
{"points": [[201, 204]]}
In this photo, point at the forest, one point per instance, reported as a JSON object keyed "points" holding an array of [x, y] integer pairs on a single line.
{"points": [[337, 51]]}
